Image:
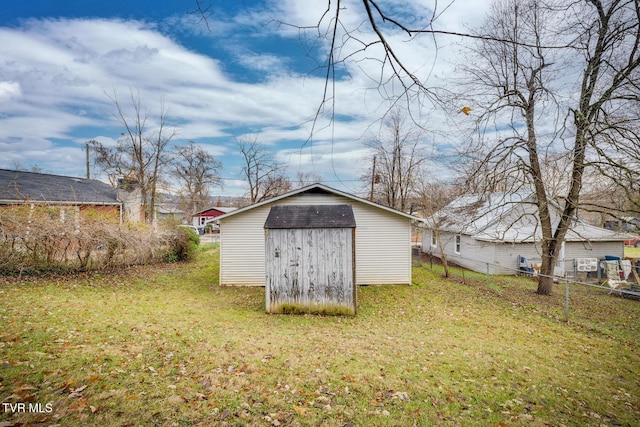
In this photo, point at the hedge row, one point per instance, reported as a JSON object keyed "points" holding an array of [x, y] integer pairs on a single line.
{"points": [[55, 238]]}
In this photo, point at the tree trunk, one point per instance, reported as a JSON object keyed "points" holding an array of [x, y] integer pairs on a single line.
{"points": [[545, 282], [443, 256]]}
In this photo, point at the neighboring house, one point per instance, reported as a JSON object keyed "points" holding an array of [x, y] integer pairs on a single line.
{"points": [[490, 234], [76, 194], [628, 224], [382, 238], [209, 215], [167, 212]]}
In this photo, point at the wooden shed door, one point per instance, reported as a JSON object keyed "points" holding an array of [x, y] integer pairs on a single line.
{"points": [[310, 268]]}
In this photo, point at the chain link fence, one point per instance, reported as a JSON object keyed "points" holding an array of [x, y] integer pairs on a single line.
{"points": [[573, 281]]}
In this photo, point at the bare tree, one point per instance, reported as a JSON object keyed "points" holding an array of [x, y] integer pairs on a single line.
{"points": [[306, 178], [372, 40], [434, 196], [139, 151], [396, 163], [17, 165], [519, 71], [264, 174], [197, 171], [274, 186]]}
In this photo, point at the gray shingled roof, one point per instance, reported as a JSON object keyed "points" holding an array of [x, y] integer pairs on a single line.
{"points": [[310, 216], [21, 186]]}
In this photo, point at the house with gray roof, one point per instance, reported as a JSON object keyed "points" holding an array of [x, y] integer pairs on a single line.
{"points": [[41, 189], [495, 233]]}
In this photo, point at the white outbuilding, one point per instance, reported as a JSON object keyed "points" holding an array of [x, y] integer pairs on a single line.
{"points": [[382, 238]]}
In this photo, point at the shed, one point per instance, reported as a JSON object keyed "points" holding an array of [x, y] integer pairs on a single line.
{"points": [[310, 259], [383, 238]]}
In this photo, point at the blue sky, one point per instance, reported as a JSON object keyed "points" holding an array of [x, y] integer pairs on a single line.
{"points": [[245, 75]]}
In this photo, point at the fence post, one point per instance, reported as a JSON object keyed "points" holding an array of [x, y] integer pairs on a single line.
{"points": [[566, 310], [487, 273]]}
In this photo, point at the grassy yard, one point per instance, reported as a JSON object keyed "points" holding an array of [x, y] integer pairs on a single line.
{"points": [[631, 252], [169, 346]]}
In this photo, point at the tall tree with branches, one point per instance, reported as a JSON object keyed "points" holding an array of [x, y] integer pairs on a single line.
{"points": [[141, 149], [518, 74], [197, 171], [398, 156], [263, 172]]}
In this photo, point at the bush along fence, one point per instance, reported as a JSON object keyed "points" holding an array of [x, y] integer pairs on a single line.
{"points": [[50, 238]]}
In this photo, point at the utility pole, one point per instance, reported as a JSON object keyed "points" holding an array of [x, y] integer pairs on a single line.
{"points": [[87, 150], [373, 178]]}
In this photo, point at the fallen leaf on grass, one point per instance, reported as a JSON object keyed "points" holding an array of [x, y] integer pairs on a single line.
{"points": [[77, 392], [79, 405], [174, 399], [400, 395], [21, 389], [348, 378]]}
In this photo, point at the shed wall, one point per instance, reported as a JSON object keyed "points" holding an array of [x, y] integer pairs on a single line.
{"points": [[383, 251]]}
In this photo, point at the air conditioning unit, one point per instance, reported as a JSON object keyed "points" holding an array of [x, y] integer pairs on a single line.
{"points": [[587, 264]]}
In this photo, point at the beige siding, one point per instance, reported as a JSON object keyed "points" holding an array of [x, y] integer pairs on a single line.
{"points": [[242, 248], [383, 251]]}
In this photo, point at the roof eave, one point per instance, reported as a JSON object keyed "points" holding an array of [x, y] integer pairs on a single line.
{"points": [[54, 202]]}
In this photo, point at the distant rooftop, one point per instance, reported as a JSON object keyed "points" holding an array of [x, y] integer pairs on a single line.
{"points": [[22, 186]]}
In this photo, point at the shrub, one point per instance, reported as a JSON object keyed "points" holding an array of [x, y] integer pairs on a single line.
{"points": [[183, 245]]}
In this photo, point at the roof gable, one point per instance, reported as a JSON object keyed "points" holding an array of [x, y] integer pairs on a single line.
{"points": [[315, 188], [21, 186]]}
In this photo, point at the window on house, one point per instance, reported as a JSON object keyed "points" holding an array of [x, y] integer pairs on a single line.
{"points": [[458, 244], [434, 241]]}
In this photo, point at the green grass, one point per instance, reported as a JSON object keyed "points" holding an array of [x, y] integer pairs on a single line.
{"points": [[169, 346], [631, 252]]}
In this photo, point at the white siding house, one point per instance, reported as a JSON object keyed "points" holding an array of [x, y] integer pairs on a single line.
{"points": [[382, 238], [495, 231]]}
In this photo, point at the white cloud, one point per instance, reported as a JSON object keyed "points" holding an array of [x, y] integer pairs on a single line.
{"points": [[9, 90], [56, 73]]}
